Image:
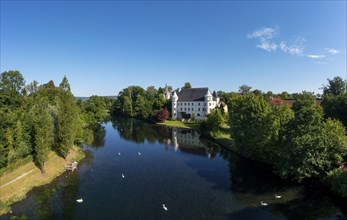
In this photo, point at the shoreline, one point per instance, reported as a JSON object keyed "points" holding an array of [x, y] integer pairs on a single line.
{"points": [[17, 183]]}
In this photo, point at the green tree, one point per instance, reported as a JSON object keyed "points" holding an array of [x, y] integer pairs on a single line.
{"points": [[67, 119], [43, 131], [65, 85], [335, 86], [335, 106], [12, 81], [127, 106], [215, 120], [311, 147], [244, 89], [187, 85], [252, 127]]}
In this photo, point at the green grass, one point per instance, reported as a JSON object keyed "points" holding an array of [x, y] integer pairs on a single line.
{"points": [[177, 124], [18, 188], [224, 139]]}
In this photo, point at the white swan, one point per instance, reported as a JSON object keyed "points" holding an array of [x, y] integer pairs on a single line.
{"points": [[164, 207], [139, 153], [278, 196], [263, 203], [79, 200], [123, 175], [119, 153]]}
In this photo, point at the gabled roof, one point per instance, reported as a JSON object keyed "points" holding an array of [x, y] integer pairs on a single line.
{"points": [[195, 94]]}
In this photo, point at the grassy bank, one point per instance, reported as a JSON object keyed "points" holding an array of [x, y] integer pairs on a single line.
{"points": [[17, 183], [179, 124]]}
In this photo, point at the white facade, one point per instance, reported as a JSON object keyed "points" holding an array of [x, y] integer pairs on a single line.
{"points": [[192, 108]]}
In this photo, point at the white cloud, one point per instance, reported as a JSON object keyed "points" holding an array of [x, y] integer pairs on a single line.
{"points": [[296, 50], [315, 56], [332, 51], [264, 34], [268, 46]]}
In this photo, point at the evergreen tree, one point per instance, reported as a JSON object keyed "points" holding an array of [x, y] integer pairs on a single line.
{"points": [[65, 85], [67, 119], [43, 131]]}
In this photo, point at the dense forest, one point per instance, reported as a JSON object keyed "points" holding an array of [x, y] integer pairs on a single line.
{"points": [[36, 119]]}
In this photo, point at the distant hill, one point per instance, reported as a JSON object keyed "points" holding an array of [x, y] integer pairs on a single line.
{"points": [[86, 98]]}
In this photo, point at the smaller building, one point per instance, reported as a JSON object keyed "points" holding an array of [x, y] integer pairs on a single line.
{"points": [[194, 103]]}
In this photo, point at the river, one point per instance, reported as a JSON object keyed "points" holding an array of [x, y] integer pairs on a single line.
{"points": [[193, 177]]}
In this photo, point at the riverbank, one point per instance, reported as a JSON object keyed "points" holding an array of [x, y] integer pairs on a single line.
{"points": [[179, 124], [17, 183]]}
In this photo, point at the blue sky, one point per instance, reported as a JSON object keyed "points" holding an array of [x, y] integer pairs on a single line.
{"points": [[105, 46]]}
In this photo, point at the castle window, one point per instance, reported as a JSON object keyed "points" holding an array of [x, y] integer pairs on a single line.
{"points": [[209, 104], [192, 109], [198, 114], [185, 104], [192, 104], [199, 103], [188, 103], [181, 109], [198, 109], [188, 109], [205, 104], [185, 109]]}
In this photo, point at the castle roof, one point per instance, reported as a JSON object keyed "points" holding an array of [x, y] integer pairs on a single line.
{"points": [[192, 94]]}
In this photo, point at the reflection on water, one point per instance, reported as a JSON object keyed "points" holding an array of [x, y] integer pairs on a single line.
{"points": [[194, 177]]}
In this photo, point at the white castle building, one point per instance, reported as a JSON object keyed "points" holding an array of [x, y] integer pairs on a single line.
{"points": [[193, 103]]}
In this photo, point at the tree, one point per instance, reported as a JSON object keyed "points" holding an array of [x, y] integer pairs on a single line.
{"points": [[12, 81], [65, 85], [43, 131], [187, 85], [67, 119], [311, 147], [244, 89], [335, 86], [335, 106], [215, 120], [252, 127], [162, 115]]}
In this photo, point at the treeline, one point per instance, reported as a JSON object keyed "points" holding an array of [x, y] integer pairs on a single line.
{"points": [[137, 102], [301, 141], [36, 119]]}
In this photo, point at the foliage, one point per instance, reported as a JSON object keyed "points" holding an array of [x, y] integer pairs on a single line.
{"points": [[42, 130], [31, 120], [335, 86], [337, 181], [244, 89], [134, 101], [95, 109], [187, 85], [67, 118], [162, 115], [252, 127], [12, 81], [335, 106], [215, 120], [311, 147]]}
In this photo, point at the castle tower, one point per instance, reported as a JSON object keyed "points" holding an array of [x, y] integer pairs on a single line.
{"points": [[166, 93], [208, 102], [174, 105]]}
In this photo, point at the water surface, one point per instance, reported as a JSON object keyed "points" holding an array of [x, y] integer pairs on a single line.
{"points": [[193, 177]]}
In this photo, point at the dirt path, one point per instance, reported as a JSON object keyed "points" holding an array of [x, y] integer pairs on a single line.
{"points": [[21, 176]]}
